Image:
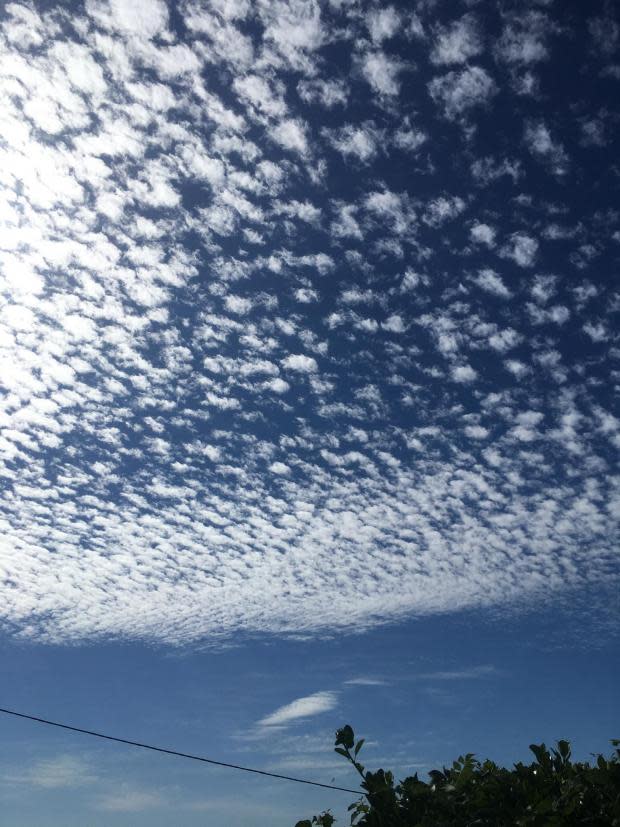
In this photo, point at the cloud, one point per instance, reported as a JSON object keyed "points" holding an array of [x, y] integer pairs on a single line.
{"points": [[196, 294], [409, 139], [521, 248], [442, 209], [487, 170], [130, 800], [490, 281], [143, 19], [328, 92], [294, 29], [381, 72], [544, 148], [277, 385], [383, 23], [263, 96], [476, 432], [483, 234], [345, 223], [463, 373], [597, 332], [523, 39], [291, 134], [301, 708], [238, 305], [519, 369], [59, 772], [459, 91], [471, 673], [302, 210], [361, 142], [458, 42], [605, 33], [300, 363], [394, 324], [279, 468]]}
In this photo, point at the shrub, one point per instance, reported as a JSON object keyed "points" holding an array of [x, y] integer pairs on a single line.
{"points": [[552, 791]]}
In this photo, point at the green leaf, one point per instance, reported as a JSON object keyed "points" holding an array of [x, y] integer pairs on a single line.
{"points": [[564, 748], [544, 806], [306, 823], [540, 751], [359, 745], [341, 751], [345, 736]]}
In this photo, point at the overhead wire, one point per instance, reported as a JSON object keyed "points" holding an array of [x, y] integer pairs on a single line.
{"points": [[188, 755]]}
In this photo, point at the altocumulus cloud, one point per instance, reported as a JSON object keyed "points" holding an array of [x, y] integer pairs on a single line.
{"points": [[244, 386]]}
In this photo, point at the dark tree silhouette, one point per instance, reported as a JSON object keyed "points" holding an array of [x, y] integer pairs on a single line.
{"points": [[550, 792]]}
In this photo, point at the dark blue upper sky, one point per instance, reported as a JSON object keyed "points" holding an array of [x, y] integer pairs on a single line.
{"points": [[308, 398]]}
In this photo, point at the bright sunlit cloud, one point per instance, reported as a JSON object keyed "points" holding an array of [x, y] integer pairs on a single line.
{"points": [[301, 708]]}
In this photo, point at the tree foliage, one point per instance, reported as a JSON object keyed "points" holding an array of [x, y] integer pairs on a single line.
{"points": [[552, 791]]}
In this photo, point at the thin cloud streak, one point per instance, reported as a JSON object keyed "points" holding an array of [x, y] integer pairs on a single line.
{"points": [[305, 707], [473, 673]]}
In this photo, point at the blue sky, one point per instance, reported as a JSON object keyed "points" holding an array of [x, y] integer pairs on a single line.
{"points": [[308, 400]]}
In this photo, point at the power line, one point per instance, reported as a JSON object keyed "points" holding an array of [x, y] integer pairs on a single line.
{"points": [[174, 752]]}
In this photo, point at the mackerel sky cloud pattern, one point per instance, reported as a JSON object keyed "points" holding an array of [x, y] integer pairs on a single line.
{"points": [[308, 317]]}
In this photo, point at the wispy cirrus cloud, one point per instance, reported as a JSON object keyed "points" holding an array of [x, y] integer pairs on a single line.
{"points": [[58, 772], [471, 673], [130, 799], [363, 681]]}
